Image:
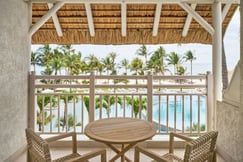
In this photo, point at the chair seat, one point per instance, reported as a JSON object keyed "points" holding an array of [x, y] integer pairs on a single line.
{"points": [[172, 158], [68, 157]]}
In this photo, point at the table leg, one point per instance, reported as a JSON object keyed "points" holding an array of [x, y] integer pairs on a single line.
{"points": [[121, 153], [122, 156]]}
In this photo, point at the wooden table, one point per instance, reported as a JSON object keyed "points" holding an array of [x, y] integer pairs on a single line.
{"points": [[124, 131]]}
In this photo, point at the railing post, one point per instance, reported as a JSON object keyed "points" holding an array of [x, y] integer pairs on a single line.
{"points": [[150, 96], [91, 97], [210, 102], [31, 100]]}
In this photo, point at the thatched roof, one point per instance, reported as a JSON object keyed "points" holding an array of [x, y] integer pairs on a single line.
{"points": [[107, 23]]}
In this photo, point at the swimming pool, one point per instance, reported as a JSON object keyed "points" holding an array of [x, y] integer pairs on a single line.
{"points": [[182, 110]]}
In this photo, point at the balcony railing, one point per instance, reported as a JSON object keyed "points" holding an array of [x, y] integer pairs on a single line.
{"points": [[58, 104]]}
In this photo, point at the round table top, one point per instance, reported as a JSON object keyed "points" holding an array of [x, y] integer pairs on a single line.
{"points": [[120, 130]]}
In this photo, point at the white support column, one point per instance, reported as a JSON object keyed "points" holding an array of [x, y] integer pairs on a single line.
{"points": [[217, 56]]}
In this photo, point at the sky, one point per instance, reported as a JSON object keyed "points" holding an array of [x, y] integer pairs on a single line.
{"points": [[202, 52]]}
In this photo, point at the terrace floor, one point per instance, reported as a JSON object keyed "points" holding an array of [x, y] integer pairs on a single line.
{"points": [[61, 151]]}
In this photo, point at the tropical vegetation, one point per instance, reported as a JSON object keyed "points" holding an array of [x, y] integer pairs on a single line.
{"points": [[64, 60]]}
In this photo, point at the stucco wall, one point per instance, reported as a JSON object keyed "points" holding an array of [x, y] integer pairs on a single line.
{"points": [[230, 139], [230, 116], [14, 67]]}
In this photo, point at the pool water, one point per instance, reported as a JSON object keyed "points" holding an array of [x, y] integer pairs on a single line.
{"points": [[192, 110]]}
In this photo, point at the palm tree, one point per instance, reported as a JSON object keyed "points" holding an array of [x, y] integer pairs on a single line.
{"points": [[72, 62], [107, 102], [125, 64], [70, 124], [181, 70], [174, 59], [66, 100], [136, 65], [92, 62], [107, 63], [67, 49], [56, 61], [35, 59], [142, 51], [137, 104], [156, 61], [45, 54], [47, 71], [86, 103], [42, 117], [189, 57], [100, 68], [113, 56]]}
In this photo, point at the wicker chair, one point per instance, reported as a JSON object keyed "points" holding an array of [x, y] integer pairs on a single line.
{"points": [[198, 150], [38, 149]]}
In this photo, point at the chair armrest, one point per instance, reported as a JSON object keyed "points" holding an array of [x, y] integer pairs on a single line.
{"points": [[87, 156], [181, 136], [58, 137], [172, 135], [148, 153], [61, 136]]}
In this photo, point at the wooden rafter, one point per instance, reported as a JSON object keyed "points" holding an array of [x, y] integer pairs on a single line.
{"points": [[197, 17], [157, 18], [188, 21], [44, 18], [124, 19], [225, 10], [56, 21], [135, 1], [90, 19]]}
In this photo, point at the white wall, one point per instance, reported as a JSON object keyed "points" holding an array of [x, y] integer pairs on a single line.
{"points": [[14, 67]]}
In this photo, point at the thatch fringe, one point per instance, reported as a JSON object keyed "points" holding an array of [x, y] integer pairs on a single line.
{"points": [[114, 37]]}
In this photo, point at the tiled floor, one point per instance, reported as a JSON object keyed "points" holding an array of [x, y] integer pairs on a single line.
{"points": [[60, 151]]}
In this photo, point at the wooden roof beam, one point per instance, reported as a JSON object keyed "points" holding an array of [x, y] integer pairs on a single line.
{"points": [[56, 21], [90, 19], [157, 18], [197, 17], [225, 10], [188, 21], [45, 17], [124, 19], [135, 1]]}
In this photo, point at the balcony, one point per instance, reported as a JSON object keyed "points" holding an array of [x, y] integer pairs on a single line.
{"points": [[59, 104]]}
